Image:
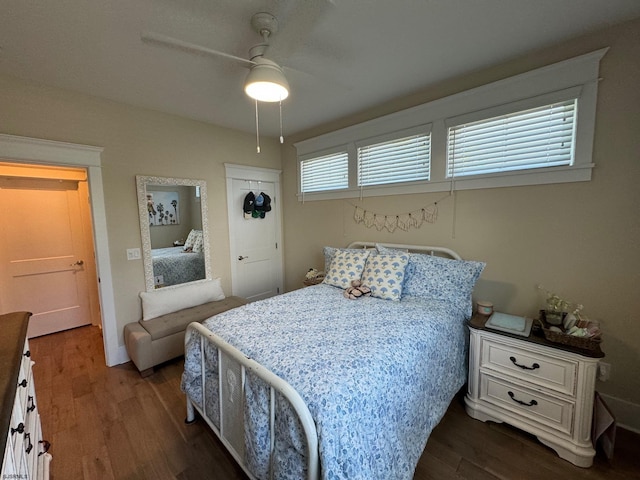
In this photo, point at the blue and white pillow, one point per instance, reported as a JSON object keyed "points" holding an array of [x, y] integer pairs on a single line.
{"points": [[330, 252], [346, 266], [384, 275], [442, 279]]}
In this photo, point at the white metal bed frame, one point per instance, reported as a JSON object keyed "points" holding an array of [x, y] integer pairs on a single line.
{"points": [[231, 387]]}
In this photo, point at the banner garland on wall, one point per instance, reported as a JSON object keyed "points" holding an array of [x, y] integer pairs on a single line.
{"points": [[403, 221]]}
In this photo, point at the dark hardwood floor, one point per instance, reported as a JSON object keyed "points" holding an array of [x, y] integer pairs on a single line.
{"points": [[109, 423]]}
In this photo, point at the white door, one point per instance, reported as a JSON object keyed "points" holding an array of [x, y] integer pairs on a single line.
{"points": [[256, 259], [42, 254]]}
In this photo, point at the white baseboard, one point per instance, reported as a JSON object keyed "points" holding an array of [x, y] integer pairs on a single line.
{"points": [[121, 356], [627, 413]]}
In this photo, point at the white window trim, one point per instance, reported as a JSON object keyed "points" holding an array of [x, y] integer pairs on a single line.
{"points": [[580, 72]]}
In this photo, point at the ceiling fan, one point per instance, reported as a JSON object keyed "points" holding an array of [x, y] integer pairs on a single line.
{"points": [[265, 81]]}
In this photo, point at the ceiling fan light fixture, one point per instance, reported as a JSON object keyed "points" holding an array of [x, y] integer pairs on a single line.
{"points": [[266, 82]]}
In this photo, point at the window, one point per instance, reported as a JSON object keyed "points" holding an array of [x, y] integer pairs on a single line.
{"points": [[328, 172], [534, 128], [536, 138], [394, 161]]}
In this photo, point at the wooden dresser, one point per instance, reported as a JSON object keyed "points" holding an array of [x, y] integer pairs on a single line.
{"points": [[24, 452]]}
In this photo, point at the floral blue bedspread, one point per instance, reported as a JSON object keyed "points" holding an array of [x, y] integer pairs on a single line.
{"points": [[177, 266], [376, 375]]}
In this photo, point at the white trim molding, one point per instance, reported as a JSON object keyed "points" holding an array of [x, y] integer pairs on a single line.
{"points": [[578, 75], [47, 152], [627, 414]]}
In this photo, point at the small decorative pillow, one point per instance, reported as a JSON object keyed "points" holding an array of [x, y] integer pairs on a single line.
{"points": [[197, 244], [330, 252], [193, 234], [345, 267], [384, 274]]}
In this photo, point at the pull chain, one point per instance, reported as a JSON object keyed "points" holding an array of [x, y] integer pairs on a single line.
{"points": [[281, 137], [257, 130]]}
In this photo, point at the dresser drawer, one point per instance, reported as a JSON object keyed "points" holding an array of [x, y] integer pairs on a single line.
{"points": [[535, 406], [552, 373]]}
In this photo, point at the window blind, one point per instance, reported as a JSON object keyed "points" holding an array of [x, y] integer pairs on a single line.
{"points": [[329, 172], [400, 160], [535, 138]]}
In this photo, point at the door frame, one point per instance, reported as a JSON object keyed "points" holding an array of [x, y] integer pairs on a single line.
{"points": [[27, 150], [253, 174]]}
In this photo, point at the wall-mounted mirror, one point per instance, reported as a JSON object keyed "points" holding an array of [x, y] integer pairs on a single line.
{"points": [[174, 230]]}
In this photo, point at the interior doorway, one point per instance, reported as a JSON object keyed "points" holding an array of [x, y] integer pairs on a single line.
{"points": [[47, 259], [36, 151], [254, 241]]}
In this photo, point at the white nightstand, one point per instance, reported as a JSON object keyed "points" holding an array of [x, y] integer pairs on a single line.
{"points": [[541, 387]]}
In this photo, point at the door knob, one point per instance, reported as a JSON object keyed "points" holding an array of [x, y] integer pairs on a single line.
{"points": [[79, 263], [241, 257]]}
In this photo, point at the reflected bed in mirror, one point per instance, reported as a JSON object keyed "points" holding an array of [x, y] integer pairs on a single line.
{"points": [[174, 230]]}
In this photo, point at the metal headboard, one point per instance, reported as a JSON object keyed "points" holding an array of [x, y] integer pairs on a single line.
{"points": [[412, 248]]}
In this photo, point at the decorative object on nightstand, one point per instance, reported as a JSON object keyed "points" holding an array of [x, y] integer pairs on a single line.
{"points": [[563, 322], [484, 307], [544, 388]]}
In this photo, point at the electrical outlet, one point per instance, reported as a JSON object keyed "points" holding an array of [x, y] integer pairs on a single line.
{"points": [[604, 371], [133, 254], [158, 280]]}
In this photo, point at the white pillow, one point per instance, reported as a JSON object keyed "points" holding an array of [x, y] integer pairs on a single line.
{"points": [[169, 300]]}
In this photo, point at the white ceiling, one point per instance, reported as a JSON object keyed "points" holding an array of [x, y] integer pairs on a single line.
{"points": [[354, 53]]}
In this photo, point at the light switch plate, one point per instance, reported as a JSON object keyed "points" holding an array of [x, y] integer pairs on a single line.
{"points": [[133, 254]]}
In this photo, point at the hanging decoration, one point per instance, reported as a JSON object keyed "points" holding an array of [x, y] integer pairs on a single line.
{"points": [[403, 221]]}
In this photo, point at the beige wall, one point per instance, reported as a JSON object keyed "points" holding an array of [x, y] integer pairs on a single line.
{"points": [[581, 240], [136, 142]]}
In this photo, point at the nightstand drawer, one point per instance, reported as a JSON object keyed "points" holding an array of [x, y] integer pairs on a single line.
{"points": [[535, 367], [535, 406]]}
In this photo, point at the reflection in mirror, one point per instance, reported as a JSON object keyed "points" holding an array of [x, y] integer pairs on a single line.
{"points": [[174, 230]]}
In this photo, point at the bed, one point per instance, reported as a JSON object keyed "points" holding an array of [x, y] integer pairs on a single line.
{"points": [[312, 385], [177, 266]]}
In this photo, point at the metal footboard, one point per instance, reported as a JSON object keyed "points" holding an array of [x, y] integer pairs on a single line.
{"points": [[232, 368]]}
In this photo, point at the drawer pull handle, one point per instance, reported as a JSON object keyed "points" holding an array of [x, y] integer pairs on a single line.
{"points": [[23, 383], [30, 446], [32, 404], [19, 429], [27, 353], [530, 404], [524, 367], [46, 445]]}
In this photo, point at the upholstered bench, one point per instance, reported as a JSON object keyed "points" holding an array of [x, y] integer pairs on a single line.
{"points": [[159, 336]]}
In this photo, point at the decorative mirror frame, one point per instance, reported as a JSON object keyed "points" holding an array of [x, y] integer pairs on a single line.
{"points": [[141, 183]]}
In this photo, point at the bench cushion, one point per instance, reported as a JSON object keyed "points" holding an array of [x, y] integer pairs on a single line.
{"points": [[175, 322]]}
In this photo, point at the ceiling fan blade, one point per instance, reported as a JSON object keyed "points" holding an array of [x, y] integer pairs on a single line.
{"points": [[298, 23], [166, 41]]}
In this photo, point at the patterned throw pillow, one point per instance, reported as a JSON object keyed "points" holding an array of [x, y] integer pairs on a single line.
{"points": [[442, 279], [191, 238], [384, 274], [197, 244], [330, 252], [345, 267]]}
